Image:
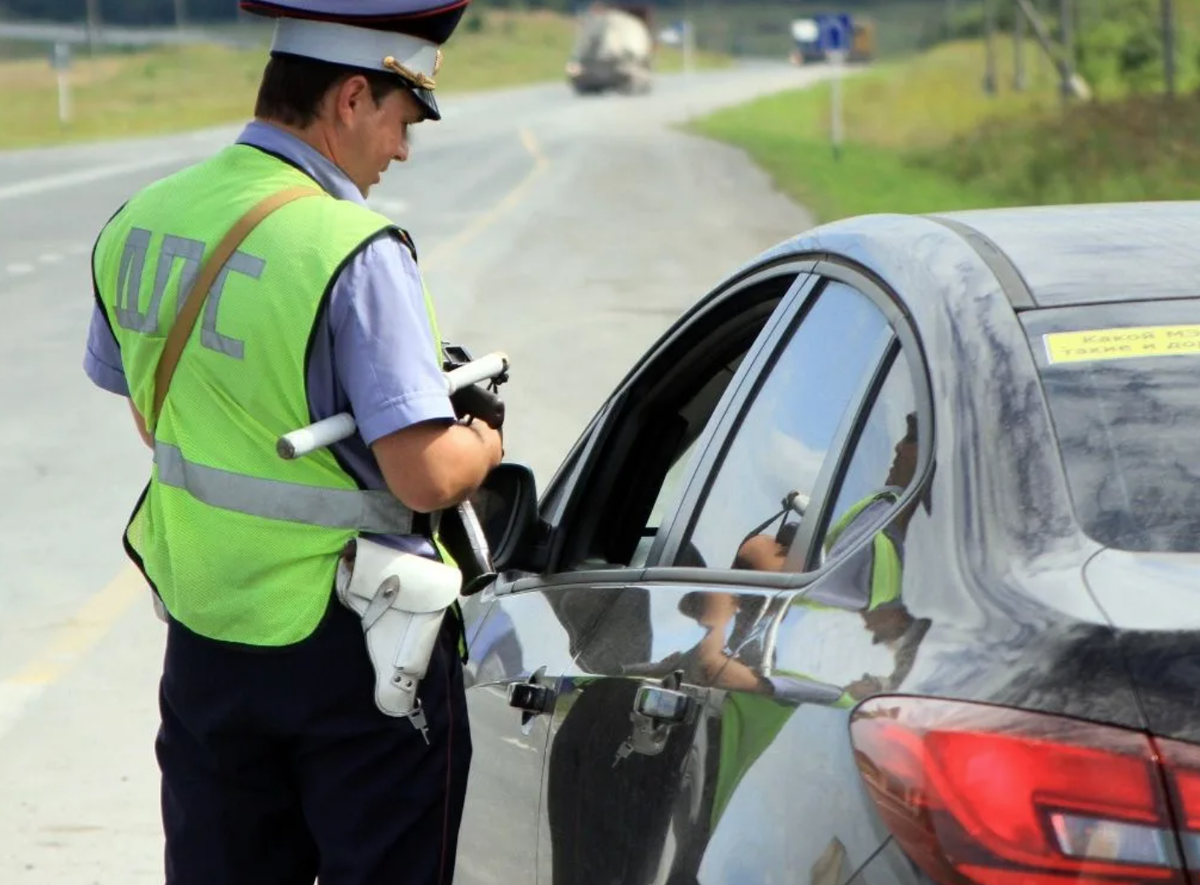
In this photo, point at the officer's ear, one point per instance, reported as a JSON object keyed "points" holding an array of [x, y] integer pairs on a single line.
{"points": [[350, 98]]}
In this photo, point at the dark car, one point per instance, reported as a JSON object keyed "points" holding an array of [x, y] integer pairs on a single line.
{"points": [[882, 566]]}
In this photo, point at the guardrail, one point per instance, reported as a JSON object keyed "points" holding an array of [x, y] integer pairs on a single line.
{"points": [[115, 35]]}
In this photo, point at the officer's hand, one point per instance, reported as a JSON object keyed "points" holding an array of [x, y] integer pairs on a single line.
{"points": [[493, 442], [476, 402]]}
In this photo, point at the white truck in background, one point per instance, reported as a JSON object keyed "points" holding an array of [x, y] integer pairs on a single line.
{"points": [[614, 49]]}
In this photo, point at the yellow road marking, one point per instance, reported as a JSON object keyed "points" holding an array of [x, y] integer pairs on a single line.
{"points": [[513, 198], [70, 644], [83, 631]]}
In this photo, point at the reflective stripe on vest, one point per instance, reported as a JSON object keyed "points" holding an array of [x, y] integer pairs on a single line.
{"points": [[365, 511]]}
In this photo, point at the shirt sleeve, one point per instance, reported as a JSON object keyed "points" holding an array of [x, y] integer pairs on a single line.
{"points": [[384, 352], [102, 359]]}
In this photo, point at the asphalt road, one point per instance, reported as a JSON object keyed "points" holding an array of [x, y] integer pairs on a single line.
{"points": [[569, 232]]}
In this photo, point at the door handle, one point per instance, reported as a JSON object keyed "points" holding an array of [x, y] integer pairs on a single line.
{"points": [[532, 698], [664, 705], [656, 709]]}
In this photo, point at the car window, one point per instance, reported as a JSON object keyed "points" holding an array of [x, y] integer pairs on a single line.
{"points": [[635, 477], [882, 463], [769, 470], [670, 490], [1120, 381], [696, 415]]}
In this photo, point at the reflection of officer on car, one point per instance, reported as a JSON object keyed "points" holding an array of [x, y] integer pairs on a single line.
{"points": [[758, 706], [590, 802], [605, 815], [280, 759], [877, 566]]}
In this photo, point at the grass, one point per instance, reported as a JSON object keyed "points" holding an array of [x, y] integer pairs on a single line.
{"points": [[922, 136], [179, 88], [1133, 148], [864, 179], [889, 110]]}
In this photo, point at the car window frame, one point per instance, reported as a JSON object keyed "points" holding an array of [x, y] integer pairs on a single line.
{"points": [[827, 269], [821, 519], [562, 501], [903, 340]]}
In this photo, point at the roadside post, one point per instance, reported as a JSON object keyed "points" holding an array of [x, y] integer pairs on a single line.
{"points": [[60, 60], [834, 33], [682, 34], [689, 46]]}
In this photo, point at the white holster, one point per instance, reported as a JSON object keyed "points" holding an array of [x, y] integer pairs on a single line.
{"points": [[401, 599], [160, 610]]}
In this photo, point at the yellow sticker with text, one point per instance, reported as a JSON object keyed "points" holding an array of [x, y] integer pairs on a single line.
{"points": [[1117, 344]]}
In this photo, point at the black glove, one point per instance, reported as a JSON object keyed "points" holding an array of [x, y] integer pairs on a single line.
{"points": [[477, 402]]}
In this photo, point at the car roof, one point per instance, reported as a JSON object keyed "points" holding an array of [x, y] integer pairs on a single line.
{"points": [[1104, 252]]}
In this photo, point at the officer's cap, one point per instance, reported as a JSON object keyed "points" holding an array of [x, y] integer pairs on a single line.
{"points": [[401, 37]]}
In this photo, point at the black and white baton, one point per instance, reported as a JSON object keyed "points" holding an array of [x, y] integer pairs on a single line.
{"points": [[308, 439]]}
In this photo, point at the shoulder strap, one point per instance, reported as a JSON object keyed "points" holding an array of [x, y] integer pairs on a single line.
{"points": [[177, 338], [407, 241]]}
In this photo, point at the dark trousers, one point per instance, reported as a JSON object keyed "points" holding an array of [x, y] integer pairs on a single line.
{"points": [[277, 767]]}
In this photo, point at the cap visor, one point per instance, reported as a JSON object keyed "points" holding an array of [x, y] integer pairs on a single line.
{"points": [[425, 98]]}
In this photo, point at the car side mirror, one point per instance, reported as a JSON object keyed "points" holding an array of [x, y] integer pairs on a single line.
{"points": [[507, 508]]}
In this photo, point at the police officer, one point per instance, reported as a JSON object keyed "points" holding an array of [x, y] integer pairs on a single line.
{"points": [[277, 764]]}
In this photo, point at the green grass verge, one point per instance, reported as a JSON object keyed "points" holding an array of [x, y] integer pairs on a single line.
{"points": [[1134, 148], [787, 137], [922, 136], [179, 88]]}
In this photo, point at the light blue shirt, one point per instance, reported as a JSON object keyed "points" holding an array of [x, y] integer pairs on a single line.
{"points": [[371, 351]]}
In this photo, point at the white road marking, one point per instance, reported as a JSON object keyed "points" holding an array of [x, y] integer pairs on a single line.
{"points": [[82, 176], [17, 270], [14, 698], [511, 741], [388, 207], [50, 258]]}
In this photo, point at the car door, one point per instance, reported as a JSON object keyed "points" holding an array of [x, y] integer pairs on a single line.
{"points": [[782, 792], [526, 628], [674, 692]]}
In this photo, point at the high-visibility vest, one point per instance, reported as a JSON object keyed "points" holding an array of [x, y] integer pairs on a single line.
{"points": [[886, 567], [241, 545]]}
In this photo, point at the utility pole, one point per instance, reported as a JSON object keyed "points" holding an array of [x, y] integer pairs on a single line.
{"points": [[1062, 55], [1066, 10], [1168, 38], [93, 24], [1019, 24], [1035, 12], [687, 37], [180, 13], [989, 24], [61, 61]]}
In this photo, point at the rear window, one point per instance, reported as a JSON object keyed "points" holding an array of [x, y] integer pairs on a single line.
{"points": [[1123, 386]]}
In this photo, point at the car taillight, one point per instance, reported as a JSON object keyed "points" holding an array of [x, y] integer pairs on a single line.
{"points": [[996, 796], [1181, 762]]}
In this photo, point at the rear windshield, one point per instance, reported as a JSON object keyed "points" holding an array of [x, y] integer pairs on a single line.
{"points": [[1123, 386]]}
